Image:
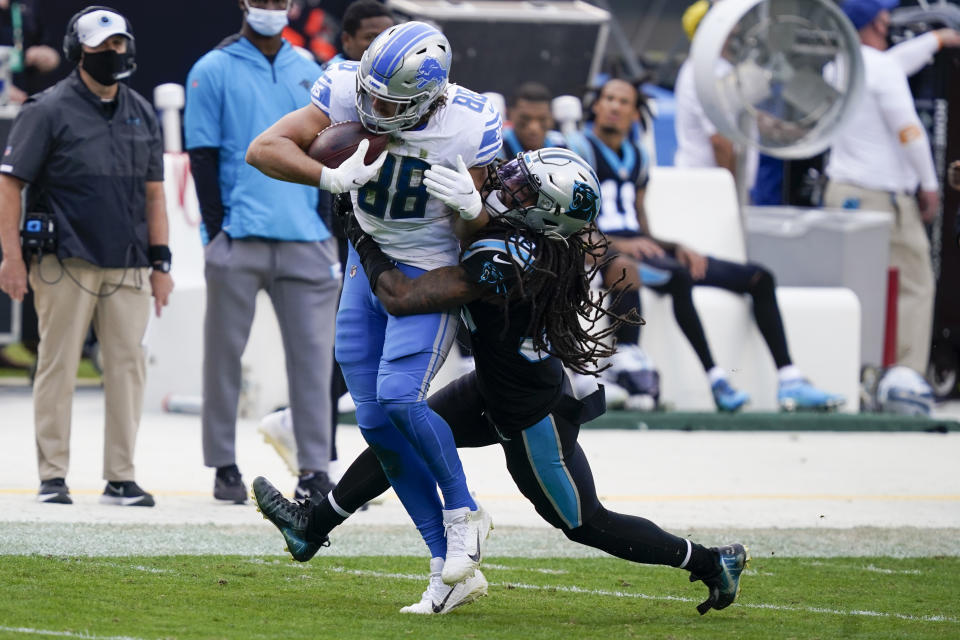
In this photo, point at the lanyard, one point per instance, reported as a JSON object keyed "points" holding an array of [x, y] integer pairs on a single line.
{"points": [[16, 19]]}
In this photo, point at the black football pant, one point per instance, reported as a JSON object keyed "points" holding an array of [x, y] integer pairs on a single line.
{"points": [[666, 275], [549, 468]]}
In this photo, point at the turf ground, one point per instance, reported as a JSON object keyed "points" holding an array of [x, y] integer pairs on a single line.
{"points": [[252, 597], [854, 535]]}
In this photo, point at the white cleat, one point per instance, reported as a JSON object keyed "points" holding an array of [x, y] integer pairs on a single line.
{"points": [[466, 533], [277, 431], [440, 598]]}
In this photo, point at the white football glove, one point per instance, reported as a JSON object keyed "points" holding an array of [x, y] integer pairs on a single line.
{"points": [[352, 173], [454, 188]]}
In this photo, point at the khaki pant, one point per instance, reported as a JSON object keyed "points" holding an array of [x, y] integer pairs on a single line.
{"points": [[64, 312], [910, 254]]}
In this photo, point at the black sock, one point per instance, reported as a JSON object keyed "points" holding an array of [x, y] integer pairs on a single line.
{"points": [[323, 519], [363, 481], [703, 561], [223, 472], [627, 333], [631, 538]]}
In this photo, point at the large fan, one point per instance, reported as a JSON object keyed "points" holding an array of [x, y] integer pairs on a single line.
{"points": [[778, 75]]}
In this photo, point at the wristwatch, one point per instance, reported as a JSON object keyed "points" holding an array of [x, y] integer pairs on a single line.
{"points": [[160, 257]]}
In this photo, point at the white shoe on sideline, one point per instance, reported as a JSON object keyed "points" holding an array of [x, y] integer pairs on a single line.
{"points": [[615, 396], [345, 404], [466, 533], [440, 598], [277, 431]]}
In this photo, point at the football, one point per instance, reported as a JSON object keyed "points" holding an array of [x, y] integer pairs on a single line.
{"points": [[339, 141]]}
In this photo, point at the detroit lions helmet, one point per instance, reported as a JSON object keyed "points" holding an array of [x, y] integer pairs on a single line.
{"points": [[407, 66], [904, 391], [549, 190]]}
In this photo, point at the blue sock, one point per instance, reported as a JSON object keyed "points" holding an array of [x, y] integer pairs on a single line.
{"points": [[409, 476], [430, 435]]}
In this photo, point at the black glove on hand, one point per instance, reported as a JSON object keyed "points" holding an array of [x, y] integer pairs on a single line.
{"points": [[374, 261]]}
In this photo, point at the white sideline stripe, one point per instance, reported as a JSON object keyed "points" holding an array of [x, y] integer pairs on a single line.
{"points": [[503, 567], [643, 596], [906, 572], [64, 634], [869, 567], [136, 567]]}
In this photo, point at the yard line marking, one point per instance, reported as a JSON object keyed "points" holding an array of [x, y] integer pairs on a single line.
{"points": [[905, 572], [502, 567], [136, 567], [64, 634], [644, 596], [609, 497], [869, 567]]}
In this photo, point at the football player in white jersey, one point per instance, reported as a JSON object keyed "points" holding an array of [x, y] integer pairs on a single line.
{"points": [[415, 199]]}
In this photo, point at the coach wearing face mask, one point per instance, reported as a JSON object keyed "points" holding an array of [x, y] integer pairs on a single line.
{"points": [[90, 152], [260, 234]]}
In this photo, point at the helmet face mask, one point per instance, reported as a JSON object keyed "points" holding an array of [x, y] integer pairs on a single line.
{"points": [[553, 191], [402, 73]]}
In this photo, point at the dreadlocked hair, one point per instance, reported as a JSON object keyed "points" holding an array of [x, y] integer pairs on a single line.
{"points": [[564, 312]]}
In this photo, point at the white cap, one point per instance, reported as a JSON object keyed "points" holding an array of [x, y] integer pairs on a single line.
{"points": [[95, 27]]}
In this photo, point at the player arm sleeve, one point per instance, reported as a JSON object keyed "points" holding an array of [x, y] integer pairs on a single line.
{"points": [[916, 53], [896, 105], [205, 167], [437, 290], [203, 135], [491, 138], [443, 289]]}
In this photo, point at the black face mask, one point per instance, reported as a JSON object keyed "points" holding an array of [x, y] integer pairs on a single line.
{"points": [[106, 67]]}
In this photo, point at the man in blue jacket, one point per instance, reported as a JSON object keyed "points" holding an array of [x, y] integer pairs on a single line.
{"points": [[260, 234]]}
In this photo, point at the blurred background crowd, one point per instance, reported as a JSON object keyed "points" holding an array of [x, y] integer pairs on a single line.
{"points": [[546, 63]]}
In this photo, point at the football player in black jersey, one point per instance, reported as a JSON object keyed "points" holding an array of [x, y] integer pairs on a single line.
{"points": [[673, 268], [524, 290]]}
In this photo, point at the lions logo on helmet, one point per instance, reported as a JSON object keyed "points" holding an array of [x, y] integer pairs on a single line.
{"points": [[403, 72], [430, 71]]}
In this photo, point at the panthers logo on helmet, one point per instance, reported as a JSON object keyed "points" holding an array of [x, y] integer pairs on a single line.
{"points": [[430, 71], [585, 204]]}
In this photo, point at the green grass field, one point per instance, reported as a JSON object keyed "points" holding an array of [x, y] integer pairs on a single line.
{"points": [[238, 598]]}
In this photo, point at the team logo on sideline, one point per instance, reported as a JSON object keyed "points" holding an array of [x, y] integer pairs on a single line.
{"points": [[430, 71], [353, 271], [584, 205]]}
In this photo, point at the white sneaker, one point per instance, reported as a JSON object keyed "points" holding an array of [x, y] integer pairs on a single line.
{"points": [[345, 404], [627, 357], [466, 533], [614, 395], [633, 370], [277, 431], [440, 598]]}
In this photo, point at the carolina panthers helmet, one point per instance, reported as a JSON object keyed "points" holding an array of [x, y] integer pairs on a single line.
{"points": [[408, 66], [550, 190], [904, 391]]}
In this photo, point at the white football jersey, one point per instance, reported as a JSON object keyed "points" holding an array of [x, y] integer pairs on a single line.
{"points": [[394, 208]]}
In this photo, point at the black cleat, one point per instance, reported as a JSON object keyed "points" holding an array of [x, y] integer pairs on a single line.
{"points": [[291, 518], [724, 585]]}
